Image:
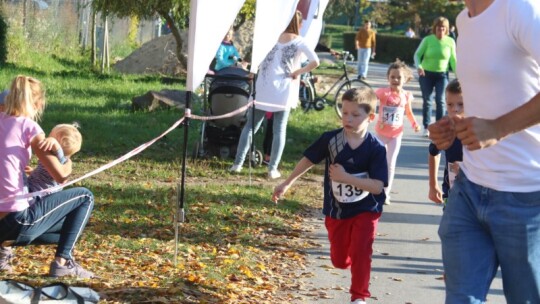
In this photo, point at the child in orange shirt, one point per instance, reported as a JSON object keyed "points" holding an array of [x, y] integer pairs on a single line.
{"points": [[394, 104]]}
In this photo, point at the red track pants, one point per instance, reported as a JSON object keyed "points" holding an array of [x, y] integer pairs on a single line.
{"points": [[351, 242]]}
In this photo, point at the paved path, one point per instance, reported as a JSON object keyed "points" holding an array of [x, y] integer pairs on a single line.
{"points": [[406, 266]]}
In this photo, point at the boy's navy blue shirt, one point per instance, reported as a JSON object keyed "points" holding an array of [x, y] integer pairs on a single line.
{"points": [[369, 157], [452, 154]]}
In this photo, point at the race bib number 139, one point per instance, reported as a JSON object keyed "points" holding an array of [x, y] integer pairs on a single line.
{"points": [[345, 193]]}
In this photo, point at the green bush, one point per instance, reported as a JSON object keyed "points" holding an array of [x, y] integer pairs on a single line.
{"points": [[3, 40], [389, 47]]}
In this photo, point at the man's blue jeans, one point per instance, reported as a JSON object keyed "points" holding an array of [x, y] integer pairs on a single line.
{"points": [[279, 130], [58, 218], [429, 82], [363, 61], [482, 229]]}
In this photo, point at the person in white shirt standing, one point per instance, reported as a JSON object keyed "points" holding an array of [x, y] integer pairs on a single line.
{"points": [[493, 215], [277, 87]]}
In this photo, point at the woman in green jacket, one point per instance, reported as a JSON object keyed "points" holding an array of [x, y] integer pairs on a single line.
{"points": [[434, 55]]}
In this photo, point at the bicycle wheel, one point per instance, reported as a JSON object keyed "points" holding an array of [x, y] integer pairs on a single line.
{"points": [[351, 84], [306, 95]]}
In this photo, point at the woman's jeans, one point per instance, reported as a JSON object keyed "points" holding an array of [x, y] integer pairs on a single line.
{"points": [[437, 81], [58, 218], [482, 229], [278, 142]]}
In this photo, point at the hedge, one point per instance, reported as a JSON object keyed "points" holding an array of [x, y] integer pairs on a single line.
{"points": [[389, 47], [3, 40]]}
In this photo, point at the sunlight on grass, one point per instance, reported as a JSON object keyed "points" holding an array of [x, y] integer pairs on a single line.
{"points": [[235, 245]]}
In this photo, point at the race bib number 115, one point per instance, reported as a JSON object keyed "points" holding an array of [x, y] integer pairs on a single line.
{"points": [[392, 116]]}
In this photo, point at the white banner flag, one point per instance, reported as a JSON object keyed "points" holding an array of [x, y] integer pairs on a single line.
{"points": [[271, 19], [313, 21], [209, 21]]}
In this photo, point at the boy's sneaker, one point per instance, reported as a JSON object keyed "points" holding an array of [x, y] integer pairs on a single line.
{"points": [[70, 269], [6, 255], [273, 174], [387, 202], [426, 133], [358, 301]]}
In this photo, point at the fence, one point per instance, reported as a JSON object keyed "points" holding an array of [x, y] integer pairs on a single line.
{"points": [[68, 24]]}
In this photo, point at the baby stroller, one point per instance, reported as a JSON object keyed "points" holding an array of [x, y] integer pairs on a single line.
{"points": [[227, 90]]}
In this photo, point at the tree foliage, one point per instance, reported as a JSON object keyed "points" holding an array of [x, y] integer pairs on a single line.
{"points": [[418, 13], [347, 8], [174, 12]]}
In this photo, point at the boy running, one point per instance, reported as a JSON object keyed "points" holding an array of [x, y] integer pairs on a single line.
{"points": [[355, 176]]}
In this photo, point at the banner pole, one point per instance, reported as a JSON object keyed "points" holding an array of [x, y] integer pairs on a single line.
{"points": [[180, 215]]}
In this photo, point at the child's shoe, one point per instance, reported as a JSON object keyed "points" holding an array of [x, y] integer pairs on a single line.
{"points": [[358, 301]]}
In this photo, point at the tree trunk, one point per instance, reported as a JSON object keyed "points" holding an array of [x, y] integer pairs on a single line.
{"points": [[176, 34]]}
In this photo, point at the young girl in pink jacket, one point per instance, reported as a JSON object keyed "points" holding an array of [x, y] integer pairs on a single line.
{"points": [[394, 104]]}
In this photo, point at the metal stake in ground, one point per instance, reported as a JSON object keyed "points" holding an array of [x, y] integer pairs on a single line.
{"points": [[180, 215]]}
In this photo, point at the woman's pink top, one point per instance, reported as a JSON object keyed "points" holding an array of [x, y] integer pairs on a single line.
{"points": [[393, 106]]}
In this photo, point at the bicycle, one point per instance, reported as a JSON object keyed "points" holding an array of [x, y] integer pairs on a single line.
{"points": [[308, 95]]}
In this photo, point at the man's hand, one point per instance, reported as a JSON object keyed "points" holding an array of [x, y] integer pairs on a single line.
{"points": [[476, 133], [442, 133]]}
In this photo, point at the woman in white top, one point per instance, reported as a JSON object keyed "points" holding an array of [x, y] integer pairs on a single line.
{"points": [[277, 84]]}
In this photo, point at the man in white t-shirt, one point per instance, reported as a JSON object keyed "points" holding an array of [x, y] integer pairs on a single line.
{"points": [[492, 217]]}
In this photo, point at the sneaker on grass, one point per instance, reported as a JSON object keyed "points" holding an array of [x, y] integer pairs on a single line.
{"points": [[273, 174], [69, 269], [6, 255], [235, 168]]}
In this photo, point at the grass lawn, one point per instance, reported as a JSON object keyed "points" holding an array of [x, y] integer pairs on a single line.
{"points": [[235, 247]]}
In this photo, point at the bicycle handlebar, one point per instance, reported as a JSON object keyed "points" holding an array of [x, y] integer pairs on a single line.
{"points": [[346, 55]]}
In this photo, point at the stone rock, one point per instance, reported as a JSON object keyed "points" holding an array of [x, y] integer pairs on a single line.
{"points": [[157, 56], [153, 100]]}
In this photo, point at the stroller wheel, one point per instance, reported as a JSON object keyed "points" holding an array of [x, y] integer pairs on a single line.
{"points": [[257, 158]]}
